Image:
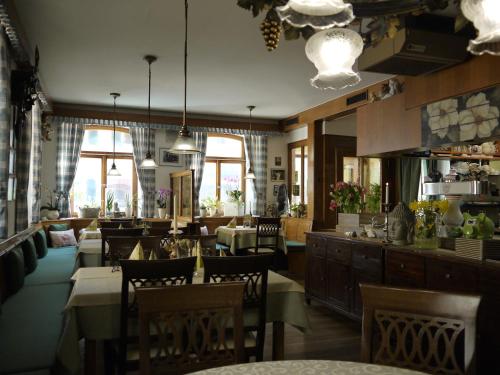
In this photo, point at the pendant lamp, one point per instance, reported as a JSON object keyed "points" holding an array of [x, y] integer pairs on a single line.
{"points": [[113, 170], [485, 14], [149, 162], [319, 14], [185, 144], [250, 174], [334, 53]]}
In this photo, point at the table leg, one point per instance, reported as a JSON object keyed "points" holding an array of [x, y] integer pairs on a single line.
{"points": [[90, 357], [278, 341]]}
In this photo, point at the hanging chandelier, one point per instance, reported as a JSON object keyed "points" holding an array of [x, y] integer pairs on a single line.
{"points": [[319, 14], [113, 170], [185, 144], [334, 53], [149, 162], [485, 15], [250, 174]]}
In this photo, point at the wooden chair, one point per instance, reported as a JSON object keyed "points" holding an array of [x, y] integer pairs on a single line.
{"points": [[294, 230], [146, 274], [253, 270], [108, 232], [163, 232], [121, 247], [423, 330], [268, 228], [202, 329], [116, 224]]}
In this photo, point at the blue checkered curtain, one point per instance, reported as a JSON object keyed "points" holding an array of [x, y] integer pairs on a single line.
{"points": [[197, 162], [4, 133], [146, 176], [256, 150], [69, 143], [36, 157], [23, 154]]}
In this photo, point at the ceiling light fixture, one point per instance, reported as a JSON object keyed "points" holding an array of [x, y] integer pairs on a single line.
{"points": [[250, 174], [334, 53], [114, 171], [185, 144], [485, 15], [149, 162], [320, 14]]}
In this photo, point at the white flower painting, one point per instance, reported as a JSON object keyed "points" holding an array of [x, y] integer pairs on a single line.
{"points": [[472, 117]]}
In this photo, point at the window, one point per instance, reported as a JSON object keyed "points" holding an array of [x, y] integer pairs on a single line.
{"points": [[297, 176], [224, 166], [92, 184]]}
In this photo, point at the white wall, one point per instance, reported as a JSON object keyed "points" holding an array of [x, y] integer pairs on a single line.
{"points": [[342, 126]]}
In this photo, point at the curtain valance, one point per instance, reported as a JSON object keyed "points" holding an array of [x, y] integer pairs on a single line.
{"points": [[57, 120]]}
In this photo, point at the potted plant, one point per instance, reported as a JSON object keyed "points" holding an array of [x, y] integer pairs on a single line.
{"points": [[211, 204], [234, 204], [162, 196], [298, 209], [51, 209], [89, 211], [203, 210], [110, 198], [128, 206], [372, 199], [347, 200]]}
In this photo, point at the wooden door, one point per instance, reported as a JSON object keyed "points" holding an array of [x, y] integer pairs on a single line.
{"points": [[338, 284], [315, 281]]}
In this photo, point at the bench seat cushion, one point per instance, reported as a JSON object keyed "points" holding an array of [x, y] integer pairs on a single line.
{"points": [[41, 243], [30, 255], [57, 267], [14, 270], [31, 343]]}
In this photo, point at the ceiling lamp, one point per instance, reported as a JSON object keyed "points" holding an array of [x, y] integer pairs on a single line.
{"points": [[149, 162], [320, 14], [485, 14], [114, 171], [185, 144], [334, 53], [250, 174]]}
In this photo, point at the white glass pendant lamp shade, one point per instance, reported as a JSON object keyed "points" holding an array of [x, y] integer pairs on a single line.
{"points": [[113, 171], [334, 53], [184, 144], [320, 14], [485, 14], [148, 162]]}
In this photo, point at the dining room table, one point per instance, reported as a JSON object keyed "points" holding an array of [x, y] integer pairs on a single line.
{"points": [[310, 367], [88, 252], [243, 238], [93, 313]]}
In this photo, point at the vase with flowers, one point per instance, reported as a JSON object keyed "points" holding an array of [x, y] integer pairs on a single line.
{"points": [[51, 209], [162, 197], [427, 220], [347, 201]]}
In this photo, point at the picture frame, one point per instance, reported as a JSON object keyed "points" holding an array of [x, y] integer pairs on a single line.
{"points": [[276, 189], [278, 174], [277, 161], [165, 157]]}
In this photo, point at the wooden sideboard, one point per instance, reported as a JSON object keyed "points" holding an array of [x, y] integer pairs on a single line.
{"points": [[335, 267]]}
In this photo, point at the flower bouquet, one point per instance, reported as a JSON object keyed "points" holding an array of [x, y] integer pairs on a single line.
{"points": [[347, 197]]}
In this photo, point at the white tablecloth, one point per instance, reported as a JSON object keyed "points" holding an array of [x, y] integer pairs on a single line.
{"points": [[89, 252], [86, 234], [311, 367]]}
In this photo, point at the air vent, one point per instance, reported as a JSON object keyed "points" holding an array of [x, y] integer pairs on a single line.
{"points": [[291, 121], [357, 98]]}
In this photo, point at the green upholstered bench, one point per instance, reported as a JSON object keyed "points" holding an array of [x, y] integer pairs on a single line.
{"points": [[32, 319]]}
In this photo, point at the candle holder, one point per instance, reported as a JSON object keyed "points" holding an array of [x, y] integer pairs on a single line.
{"points": [[387, 207]]}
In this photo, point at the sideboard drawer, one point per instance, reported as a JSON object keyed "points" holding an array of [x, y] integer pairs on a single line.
{"points": [[316, 246], [367, 258], [405, 269], [449, 276], [339, 251]]}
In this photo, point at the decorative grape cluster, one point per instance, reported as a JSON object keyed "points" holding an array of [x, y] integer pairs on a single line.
{"points": [[271, 31]]}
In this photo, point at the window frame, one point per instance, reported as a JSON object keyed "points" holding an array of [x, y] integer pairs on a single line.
{"points": [[219, 160], [105, 156], [302, 145]]}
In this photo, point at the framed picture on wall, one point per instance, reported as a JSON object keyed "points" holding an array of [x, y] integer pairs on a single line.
{"points": [[277, 161], [277, 174], [169, 158]]}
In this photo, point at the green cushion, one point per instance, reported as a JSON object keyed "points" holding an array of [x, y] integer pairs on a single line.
{"points": [[14, 270], [30, 255], [58, 227], [40, 239], [57, 267], [31, 324], [295, 244]]}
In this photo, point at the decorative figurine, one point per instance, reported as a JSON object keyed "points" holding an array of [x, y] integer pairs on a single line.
{"points": [[401, 225]]}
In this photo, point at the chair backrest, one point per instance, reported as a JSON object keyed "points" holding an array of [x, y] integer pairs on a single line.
{"points": [[192, 333], [148, 274], [121, 247], [422, 330], [164, 224], [108, 232], [267, 227], [116, 224]]}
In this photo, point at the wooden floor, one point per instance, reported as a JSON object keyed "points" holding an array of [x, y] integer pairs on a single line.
{"points": [[332, 337]]}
